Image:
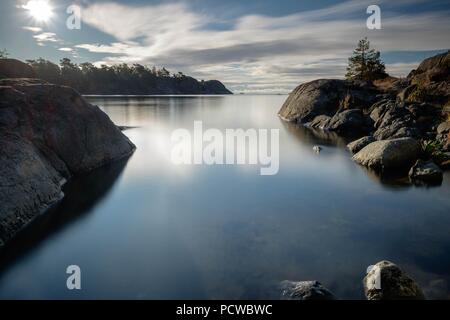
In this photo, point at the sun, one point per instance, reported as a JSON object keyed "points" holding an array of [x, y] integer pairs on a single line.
{"points": [[40, 10]]}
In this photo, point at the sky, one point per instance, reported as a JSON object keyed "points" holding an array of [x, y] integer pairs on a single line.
{"points": [[252, 46]]}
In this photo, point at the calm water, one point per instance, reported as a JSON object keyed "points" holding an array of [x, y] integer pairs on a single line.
{"points": [[147, 229]]}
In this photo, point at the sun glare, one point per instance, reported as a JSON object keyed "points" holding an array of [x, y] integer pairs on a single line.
{"points": [[40, 10]]}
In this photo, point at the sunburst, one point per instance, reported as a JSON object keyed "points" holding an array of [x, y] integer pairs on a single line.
{"points": [[40, 10]]}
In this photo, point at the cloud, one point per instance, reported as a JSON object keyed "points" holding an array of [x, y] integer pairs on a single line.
{"points": [[114, 48], [257, 51], [66, 49], [46, 37], [33, 29]]}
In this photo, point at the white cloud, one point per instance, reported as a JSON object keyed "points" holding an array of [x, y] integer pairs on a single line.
{"points": [[33, 29], [66, 49], [258, 51], [46, 37]]}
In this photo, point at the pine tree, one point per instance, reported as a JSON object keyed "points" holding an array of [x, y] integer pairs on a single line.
{"points": [[3, 54], [365, 63]]}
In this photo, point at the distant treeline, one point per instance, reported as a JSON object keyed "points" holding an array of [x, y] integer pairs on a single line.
{"points": [[122, 79]]}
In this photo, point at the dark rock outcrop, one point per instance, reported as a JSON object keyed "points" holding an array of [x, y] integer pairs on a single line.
{"points": [[347, 122], [397, 107], [12, 68], [426, 172], [394, 122], [325, 97], [386, 281], [214, 87], [397, 120], [48, 133], [305, 290], [389, 154]]}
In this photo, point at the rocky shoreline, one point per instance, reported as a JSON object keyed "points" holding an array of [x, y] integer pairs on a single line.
{"points": [[399, 123], [383, 281], [48, 134]]}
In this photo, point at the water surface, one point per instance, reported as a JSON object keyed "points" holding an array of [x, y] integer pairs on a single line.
{"points": [[147, 229]]}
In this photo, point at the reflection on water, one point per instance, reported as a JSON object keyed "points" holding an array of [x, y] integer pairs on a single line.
{"points": [[165, 232], [313, 136], [77, 202]]}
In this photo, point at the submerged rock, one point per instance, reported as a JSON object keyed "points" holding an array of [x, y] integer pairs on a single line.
{"points": [[389, 154], [305, 290], [359, 144], [426, 172], [386, 281], [48, 133]]}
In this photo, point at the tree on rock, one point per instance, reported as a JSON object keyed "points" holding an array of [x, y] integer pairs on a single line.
{"points": [[3, 54], [365, 63]]}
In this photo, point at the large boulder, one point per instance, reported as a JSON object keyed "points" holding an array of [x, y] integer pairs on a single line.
{"points": [[305, 290], [12, 68], [325, 97], [426, 172], [386, 281], [359, 144], [48, 133], [389, 154]]}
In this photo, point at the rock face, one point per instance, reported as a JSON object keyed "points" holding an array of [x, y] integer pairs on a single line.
{"points": [[48, 133], [426, 172], [395, 120], [359, 144], [11, 68], [389, 154], [305, 290], [325, 97], [386, 281], [432, 79]]}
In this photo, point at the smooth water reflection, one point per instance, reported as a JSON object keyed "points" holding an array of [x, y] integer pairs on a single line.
{"points": [[148, 229]]}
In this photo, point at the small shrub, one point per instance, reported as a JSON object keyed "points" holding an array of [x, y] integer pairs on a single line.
{"points": [[434, 150], [418, 95]]}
